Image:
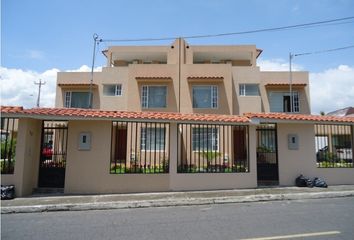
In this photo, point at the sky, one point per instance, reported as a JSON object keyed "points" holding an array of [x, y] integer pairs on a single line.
{"points": [[41, 37]]}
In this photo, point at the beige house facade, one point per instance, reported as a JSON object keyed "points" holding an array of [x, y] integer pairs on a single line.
{"points": [[174, 118]]}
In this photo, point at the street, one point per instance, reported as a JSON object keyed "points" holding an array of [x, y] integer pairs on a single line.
{"points": [[308, 219]]}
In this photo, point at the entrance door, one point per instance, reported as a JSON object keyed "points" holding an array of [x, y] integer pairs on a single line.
{"points": [[267, 154], [121, 145], [53, 154]]}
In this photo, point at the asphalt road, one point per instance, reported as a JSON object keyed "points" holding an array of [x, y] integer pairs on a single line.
{"points": [[321, 218]]}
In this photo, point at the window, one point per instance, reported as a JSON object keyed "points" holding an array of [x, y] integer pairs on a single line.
{"points": [[280, 102], [249, 90], [152, 139], [153, 96], [112, 90], [205, 139], [205, 96], [77, 99]]}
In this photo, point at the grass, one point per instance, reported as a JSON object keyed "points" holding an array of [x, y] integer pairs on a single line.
{"points": [[330, 164], [121, 169]]}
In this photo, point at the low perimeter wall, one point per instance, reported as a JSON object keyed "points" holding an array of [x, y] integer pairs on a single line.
{"points": [[292, 163]]}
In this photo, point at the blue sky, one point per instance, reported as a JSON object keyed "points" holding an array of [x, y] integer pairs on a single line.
{"points": [[39, 35]]}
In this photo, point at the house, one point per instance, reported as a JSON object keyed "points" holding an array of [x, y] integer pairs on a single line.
{"points": [[345, 112], [171, 118]]}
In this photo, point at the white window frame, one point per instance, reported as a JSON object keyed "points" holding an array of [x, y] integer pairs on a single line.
{"points": [[117, 91], [145, 95], [296, 104], [296, 100], [242, 91], [214, 100], [67, 99]]}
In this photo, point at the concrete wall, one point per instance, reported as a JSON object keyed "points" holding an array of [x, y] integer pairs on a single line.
{"points": [[25, 175], [88, 171], [303, 161]]}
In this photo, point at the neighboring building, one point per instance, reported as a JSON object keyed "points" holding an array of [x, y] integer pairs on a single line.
{"points": [[184, 78], [172, 118], [345, 112]]}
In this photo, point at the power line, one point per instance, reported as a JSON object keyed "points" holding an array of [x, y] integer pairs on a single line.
{"points": [[303, 25], [323, 51]]}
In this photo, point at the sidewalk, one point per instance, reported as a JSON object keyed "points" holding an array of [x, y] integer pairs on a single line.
{"points": [[164, 199]]}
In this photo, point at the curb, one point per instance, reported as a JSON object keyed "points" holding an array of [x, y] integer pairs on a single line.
{"points": [[168, 202]]}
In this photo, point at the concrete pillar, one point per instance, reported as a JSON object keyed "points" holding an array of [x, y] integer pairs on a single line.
{"points": [[173, 152], [253, 151], [25, 175]]}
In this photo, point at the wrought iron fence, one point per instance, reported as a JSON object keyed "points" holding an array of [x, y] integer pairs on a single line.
{"points": [[212, 148], [267, 152], [334, 146], [140, 147], [9, 127], [53, 154]]}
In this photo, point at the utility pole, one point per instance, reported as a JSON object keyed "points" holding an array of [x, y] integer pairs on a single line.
{"points": [[291, 82], [40, 83], [95, 41]]}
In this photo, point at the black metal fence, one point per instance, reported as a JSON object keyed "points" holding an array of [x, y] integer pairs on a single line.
{"points": [[212, 148], [140, 147], [9, 127], [334, 146]]}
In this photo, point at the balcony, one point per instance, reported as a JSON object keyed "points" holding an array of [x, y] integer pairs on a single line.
{"points": [[124, 59]]}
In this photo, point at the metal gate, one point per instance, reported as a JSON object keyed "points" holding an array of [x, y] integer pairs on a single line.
{"points": [[53, 154], [267, 154]]}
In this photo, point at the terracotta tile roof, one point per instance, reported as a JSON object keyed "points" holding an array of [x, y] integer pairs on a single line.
{"points": [[151, 77], [298, 117], [285, 84], [11, 109], [76, 85], [79, 113], [205, 77], [93, 113]]}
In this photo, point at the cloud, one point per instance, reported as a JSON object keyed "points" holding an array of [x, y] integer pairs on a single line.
{"points": [[332, 89], [18, 88], [277, 65]]}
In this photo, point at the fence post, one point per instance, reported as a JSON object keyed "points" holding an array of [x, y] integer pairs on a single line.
{"points": [[173, 141]]}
